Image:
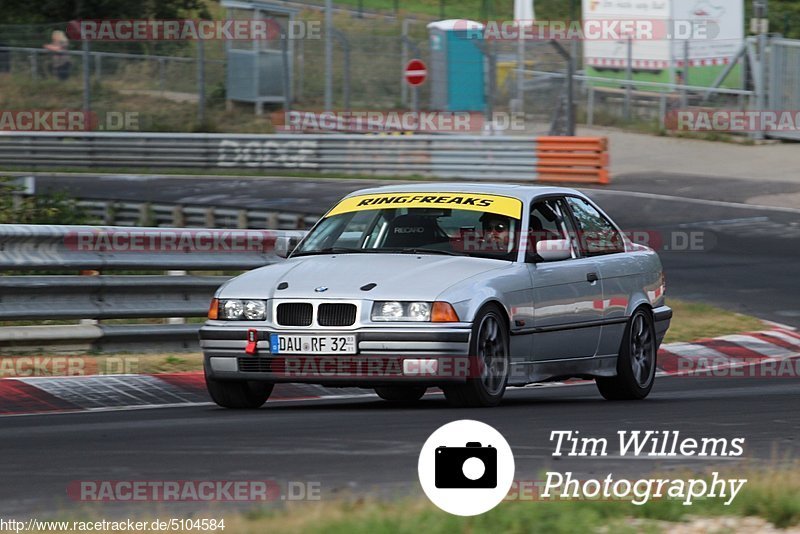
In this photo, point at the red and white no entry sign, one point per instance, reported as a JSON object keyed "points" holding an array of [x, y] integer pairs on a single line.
{"points": [[416, 72]]}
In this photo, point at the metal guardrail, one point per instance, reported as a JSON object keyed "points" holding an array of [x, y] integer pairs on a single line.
{"points": [[126, 213], [573, 159], [99, 297], [467, 156], [99, 337], [105, 297], [111, 247]]}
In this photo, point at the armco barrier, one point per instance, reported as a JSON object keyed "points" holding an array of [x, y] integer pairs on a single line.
{"points": [[572, 159], [161, 214], [135, 338], [475, 157], [104, 296], [32, 246]]}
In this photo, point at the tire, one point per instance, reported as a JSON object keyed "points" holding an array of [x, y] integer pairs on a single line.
{"points": [[238, 394], [489, 350], [401, 394], [636, 362]]}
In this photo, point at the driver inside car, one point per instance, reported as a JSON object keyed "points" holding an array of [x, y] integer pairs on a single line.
{"points": [[496, 232]]}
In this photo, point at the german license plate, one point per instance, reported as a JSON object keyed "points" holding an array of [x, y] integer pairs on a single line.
{"points": [[291, 344]]}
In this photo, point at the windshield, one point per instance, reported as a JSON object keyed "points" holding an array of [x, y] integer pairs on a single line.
{"points": [[479, 229]]}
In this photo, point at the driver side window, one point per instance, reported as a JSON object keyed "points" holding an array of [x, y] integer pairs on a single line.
{"points": [[547, 223]]}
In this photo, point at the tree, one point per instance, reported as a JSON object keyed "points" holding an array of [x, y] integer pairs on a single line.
{"points": [[43, 11], [784, 17], [40, 209]]}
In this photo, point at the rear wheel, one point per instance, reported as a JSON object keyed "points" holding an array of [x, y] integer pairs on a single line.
{"points": [[489, 354], [238, 394], [636, 362], [401, 394]]}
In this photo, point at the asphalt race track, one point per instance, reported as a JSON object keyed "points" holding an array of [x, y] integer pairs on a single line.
{"points": [[369, 446], [746, 259]]}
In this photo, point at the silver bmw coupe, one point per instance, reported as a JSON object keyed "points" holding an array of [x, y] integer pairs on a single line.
{"points": [[469, 288]]}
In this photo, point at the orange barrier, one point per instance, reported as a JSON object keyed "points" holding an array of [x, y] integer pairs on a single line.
{"points": [[572, 159]]}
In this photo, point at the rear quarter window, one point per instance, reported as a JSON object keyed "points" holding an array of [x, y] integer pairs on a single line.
{"points": [[596, 233]]}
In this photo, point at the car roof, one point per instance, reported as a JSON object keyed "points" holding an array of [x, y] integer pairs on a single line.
{"points": [[526, 193]]}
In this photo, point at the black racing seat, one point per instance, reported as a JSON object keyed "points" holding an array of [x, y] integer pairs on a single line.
{"points": [[538, 233], [410, 231]]}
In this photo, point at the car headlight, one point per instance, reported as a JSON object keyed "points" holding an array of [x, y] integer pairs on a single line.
{"points": [[241, 309], [255, 310], [401, 311], [419, 311]]}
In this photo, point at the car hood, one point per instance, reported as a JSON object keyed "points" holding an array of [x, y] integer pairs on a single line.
{"points": [[396, 276]]}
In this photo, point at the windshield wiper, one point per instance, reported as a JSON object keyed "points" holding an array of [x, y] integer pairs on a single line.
{"points": [[422, 250], [346, 250], [329, 250]]}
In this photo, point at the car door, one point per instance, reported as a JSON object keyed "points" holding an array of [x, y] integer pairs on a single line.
{"points": [[603, 242], [566, 293]]}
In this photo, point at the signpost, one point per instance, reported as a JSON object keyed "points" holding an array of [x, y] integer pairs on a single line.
{"points": [[415, 74]]}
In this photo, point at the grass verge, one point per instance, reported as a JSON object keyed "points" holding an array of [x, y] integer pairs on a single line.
{"points": [[473, 9], [772, 494], [696, 320], [37, 364]]}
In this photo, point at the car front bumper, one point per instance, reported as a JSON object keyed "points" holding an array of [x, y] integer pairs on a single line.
{"points": [[384, 356]]}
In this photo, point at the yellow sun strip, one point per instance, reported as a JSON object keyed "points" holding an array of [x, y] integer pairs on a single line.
{"points": [[511, 207]]}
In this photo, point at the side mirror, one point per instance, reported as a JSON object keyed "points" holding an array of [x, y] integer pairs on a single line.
{"points": [[284, 245], [554, 250]]}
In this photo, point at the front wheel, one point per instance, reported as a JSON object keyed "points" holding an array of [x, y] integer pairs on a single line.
{"points": [[238, 394], [636, 362], [401, 394], [489, 360]]}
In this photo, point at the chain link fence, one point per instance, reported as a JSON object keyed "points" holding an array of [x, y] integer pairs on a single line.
{"points": [[368, 60], [171, 89]]}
